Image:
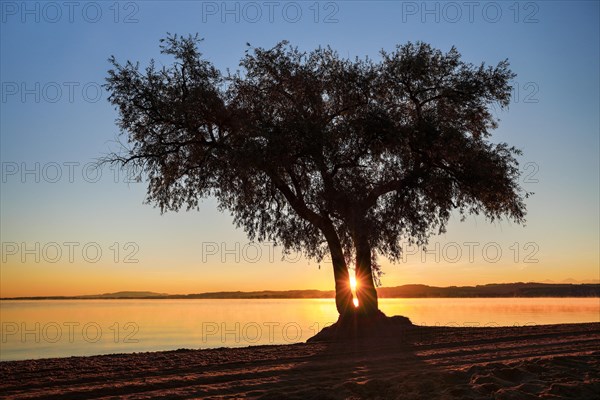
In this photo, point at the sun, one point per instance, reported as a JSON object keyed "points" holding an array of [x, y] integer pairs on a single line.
{"points": [[353, 285]]}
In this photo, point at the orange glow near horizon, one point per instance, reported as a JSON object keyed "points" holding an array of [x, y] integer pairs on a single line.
{"points": [[23, 279]]}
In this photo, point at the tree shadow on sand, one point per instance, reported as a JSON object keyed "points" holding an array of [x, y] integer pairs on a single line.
{"points": [[384, 368], [437, 362]]}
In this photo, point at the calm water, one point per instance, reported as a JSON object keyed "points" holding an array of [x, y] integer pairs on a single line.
{"points": [[40, 329]]}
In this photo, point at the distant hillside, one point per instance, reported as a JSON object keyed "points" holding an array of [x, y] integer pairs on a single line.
{"points": [[406, 291], [494, 290], [124, 295], [116, 295], [264, 294], [419, 291]]}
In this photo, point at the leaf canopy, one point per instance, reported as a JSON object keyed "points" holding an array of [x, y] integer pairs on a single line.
{"points": [[299, 140]]}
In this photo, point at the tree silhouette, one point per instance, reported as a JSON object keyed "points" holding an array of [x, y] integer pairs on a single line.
{"points": [[323, 154]]}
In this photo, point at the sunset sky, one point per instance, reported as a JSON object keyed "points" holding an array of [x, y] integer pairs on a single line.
{"points": [[67, 230]]}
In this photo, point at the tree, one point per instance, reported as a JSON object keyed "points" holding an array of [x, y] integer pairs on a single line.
{"points": [[323, 154]]}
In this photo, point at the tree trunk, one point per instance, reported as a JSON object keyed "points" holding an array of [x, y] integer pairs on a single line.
{"points": [[365, 290], [343, 293]]}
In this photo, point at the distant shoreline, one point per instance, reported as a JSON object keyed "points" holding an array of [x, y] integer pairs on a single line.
{"points": [[502, 290]]}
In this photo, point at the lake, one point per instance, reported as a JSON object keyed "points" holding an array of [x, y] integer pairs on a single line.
{"points": [[61, 328]]}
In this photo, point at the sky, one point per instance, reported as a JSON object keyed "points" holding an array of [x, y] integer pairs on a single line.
{"points": [[68, 228]]}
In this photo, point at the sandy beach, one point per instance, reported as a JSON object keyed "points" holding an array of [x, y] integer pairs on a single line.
{"points": [[547, 361]]}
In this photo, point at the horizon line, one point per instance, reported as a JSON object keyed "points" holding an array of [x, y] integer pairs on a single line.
{"points": [[148, 293]]}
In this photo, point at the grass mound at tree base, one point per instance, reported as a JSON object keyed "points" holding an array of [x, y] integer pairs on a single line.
{"points": [[360, 326]]}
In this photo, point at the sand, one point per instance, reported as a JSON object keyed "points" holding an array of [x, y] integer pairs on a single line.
{"points": [[548, 361]]}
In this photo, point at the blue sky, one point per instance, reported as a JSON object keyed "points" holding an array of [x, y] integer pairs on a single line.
{"points": [[59, 54]]}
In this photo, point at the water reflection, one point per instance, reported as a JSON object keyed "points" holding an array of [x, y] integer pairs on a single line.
{"points": [[38, 329]]}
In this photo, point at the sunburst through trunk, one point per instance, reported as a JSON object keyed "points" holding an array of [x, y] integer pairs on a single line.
{"points": [[353, 285]]}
